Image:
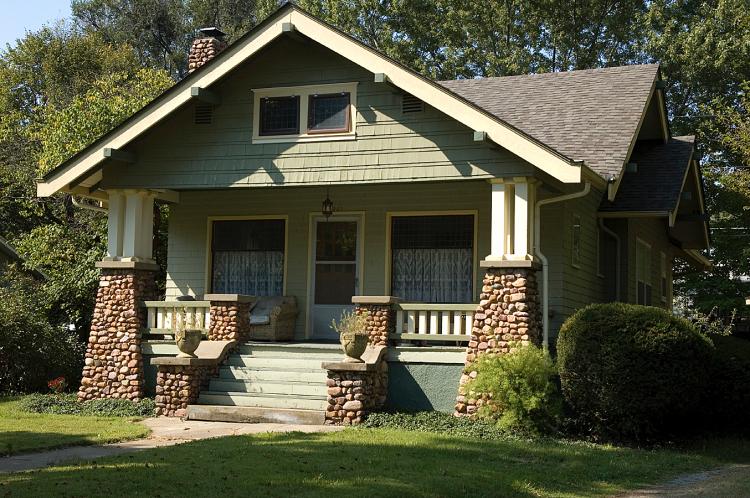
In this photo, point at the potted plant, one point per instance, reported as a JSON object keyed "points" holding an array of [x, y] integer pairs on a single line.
{"points": [[187, 340], [352, 330]]}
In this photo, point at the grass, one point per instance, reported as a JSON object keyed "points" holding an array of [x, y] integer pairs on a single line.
{"points": [[22, 432], [372, 462]]}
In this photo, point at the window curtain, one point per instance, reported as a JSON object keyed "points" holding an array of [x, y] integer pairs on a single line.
{"points": [[433, 275], [255, 273]]}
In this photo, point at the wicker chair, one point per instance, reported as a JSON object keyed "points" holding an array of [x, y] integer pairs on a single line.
{"points": [[273, 319]]}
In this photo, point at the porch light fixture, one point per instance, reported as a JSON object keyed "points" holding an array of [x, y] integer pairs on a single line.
{"points": [[327, 208]]}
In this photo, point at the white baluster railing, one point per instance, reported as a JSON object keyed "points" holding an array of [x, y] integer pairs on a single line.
{"points": [[434, 322], [162, 317]]}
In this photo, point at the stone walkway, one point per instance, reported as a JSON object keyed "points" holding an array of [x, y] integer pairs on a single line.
{"points": [[164, 432]]}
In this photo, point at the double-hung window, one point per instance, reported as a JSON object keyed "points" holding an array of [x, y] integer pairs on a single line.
{"points": [[643, 272], [248, 257], [432, 258], [304, 113]]}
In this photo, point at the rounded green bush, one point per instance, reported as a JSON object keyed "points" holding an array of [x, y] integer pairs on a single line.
{"points": [[632, 372]]}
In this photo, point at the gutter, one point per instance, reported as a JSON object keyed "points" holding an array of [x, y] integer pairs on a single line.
{"points": [[614, 235], [545, 263]]}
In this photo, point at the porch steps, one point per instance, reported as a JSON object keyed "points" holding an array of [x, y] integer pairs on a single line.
{"points": [[261, 382]]}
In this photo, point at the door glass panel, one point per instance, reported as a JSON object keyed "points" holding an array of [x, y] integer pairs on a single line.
{"points": [[334, 283], [337, 241]]}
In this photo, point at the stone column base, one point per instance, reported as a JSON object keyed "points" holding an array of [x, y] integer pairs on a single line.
{"points": [[508, 315], [179, 386], [230, 317], [381, 319], [114, 363], [356, 389]]}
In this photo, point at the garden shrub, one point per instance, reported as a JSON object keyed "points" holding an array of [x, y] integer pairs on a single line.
{"points": [[631, 372], [32, 351], [727, 401], [436, 422], [521, 385], [68, 404]]}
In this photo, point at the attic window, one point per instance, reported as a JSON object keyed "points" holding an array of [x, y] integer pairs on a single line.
{"points": [[410, 103], [279, 115], [203, 114]]}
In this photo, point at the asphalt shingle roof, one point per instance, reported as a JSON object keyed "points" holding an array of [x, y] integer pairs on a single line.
{"points": [[590, 115], [657, 184]]}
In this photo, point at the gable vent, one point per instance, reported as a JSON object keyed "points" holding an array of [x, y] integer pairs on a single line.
{"points": [[204, 114], [631, 168], [410, 103]]}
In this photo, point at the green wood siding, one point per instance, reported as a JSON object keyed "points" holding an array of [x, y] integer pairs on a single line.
{"points": [[653, 231], [188, 227], [390, 145]]}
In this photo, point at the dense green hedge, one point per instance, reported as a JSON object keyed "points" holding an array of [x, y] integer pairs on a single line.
{"points": [[632, 372], [67, 404], [727, 401]]}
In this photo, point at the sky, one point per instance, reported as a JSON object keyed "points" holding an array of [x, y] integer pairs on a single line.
{"points": [[19, 16]]}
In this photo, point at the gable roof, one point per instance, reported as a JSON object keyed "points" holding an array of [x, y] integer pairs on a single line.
{"points": [[590, 115], [85, 167], [659, 179]]}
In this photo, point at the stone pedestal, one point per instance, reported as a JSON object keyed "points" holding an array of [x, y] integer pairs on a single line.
{"points": [[114, 363], [230, 316], [356, 389], [508, 315], [381, 319]]}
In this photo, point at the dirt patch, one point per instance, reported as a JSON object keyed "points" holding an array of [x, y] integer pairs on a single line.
{"points": [[731, 481]]}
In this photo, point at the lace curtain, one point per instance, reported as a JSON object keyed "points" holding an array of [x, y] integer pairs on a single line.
{"points": [[433, 275], [255, 273]]}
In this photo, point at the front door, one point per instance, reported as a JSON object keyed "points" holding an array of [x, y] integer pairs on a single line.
{"points": [[335, 272]]}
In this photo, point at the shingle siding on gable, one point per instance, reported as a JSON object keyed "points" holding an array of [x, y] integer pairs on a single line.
{"points": [[390, 145]]}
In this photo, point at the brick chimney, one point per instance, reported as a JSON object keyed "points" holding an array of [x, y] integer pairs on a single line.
{"points": [[205, 47]]}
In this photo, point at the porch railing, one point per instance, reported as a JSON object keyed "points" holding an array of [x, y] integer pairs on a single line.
{"points": [[434, 322], [162, 317]]}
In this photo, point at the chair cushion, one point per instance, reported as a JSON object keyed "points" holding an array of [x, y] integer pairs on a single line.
{"points": [[261, 312], [259, 319]]}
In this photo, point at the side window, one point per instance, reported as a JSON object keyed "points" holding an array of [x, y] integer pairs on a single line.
{"points": [[664, 281], [643, 272], [576, 241]]}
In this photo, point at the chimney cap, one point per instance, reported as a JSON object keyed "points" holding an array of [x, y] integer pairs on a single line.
{"points": [[212, 32]]}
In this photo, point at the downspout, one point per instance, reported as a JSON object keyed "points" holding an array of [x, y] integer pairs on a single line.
{"points": [[99, 209], [614, 235], [543, 259]]}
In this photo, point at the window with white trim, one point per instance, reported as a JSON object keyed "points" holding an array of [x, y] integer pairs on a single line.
{"points": [[432, 258], [248, 257], [304, 113], [664, 283], [643, 272]]}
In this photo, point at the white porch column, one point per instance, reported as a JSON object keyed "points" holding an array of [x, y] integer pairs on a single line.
{"points": [[138, 226], [523, 218], [498, 222], [115, 223], [147, 227], [512, 219]]}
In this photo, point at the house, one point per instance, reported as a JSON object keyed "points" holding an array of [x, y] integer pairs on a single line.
{"points": [[463, 215]]}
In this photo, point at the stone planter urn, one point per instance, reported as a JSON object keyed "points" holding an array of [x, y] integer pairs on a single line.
{"points": [[188, 341], [354, 345]]}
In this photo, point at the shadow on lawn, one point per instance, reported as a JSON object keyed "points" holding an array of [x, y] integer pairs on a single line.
{"points": [[360, 463], [16, 442]]}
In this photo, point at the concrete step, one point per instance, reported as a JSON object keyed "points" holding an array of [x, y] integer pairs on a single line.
{"points": [[249, 414], [269, 374], [289, 388], [264, 400], [323, 352], [286, 364]]}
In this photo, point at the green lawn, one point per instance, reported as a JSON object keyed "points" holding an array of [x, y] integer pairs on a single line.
{"points": [[22, 432], [369, 462]]}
